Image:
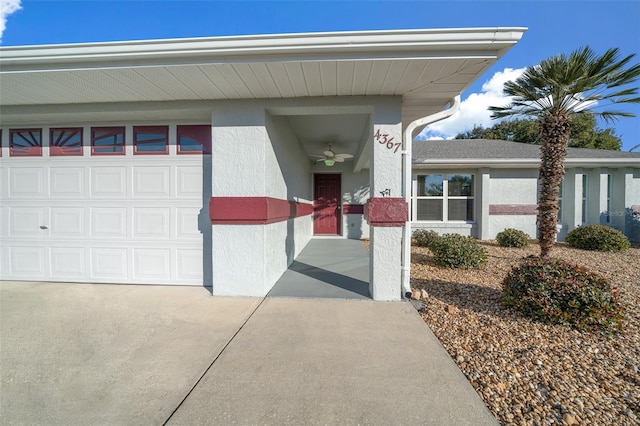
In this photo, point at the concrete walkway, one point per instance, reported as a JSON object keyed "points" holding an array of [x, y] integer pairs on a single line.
{"points": [[327, 268], [81, 354]]}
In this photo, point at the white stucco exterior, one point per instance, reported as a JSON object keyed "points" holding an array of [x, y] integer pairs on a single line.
{"points": [[240, 214]]}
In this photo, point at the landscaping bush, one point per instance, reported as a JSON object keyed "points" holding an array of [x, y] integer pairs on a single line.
{"points": [[511, 237], [456, 251], [553, 291], [597, 237], [424, 237]]}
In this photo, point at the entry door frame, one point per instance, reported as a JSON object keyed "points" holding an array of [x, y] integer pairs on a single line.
{"points": [[338, 206]]}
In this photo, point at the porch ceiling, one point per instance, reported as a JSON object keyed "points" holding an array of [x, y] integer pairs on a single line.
{"points": [[426, 67]]}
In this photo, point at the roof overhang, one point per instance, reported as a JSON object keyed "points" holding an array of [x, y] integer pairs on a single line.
{"points": [[426, 68]]}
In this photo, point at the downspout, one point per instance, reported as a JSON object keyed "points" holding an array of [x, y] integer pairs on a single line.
{"points": [[407, 149]]}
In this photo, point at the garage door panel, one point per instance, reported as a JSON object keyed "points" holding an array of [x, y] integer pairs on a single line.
{"points": [[67, 222], [187, 223], [109, 263], [66, 182], [151, 182], [189, 182], [26, 222], [108, 222], [27, 262], [108, 219], [189, 265], [67, 263], [108, 182], [151, 223], [149, 263], [26, 183]]}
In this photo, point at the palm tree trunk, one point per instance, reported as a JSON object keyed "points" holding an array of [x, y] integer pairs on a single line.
{"points": [[555, 129]]}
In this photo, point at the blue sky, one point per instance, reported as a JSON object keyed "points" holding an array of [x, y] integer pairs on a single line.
{"points": [[554, 27]]}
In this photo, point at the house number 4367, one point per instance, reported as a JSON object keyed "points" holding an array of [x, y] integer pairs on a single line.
{"points": [[384, 139]]}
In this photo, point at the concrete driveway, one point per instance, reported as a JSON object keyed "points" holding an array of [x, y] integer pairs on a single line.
{"points": [[88, 354]]}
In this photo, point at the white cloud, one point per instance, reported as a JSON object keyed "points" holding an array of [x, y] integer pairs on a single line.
{"points": [[473, 110], [7, 7]]}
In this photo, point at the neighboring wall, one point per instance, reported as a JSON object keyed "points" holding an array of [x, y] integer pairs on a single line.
{"points": [[632, 210], [507, 198], [512, 199]]}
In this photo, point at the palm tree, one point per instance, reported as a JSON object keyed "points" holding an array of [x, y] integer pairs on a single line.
{"points": [[553, 92]]}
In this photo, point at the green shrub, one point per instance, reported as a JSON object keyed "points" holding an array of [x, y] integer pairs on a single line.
{"points": [[553, 291], [511, 237], [456, 251], [424, 237], [597, 237]]}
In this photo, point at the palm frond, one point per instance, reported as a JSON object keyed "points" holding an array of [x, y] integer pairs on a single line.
{"points": [[573, 83]]}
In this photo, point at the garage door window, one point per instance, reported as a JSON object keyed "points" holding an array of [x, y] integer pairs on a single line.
{"points": [[107, 141], [65, 141], [194, 139], [151, 140], [25, 142]]}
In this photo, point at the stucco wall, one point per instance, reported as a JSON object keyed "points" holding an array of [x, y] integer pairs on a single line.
{"points": [[288, 177], [256, 154], [632, 197], [514, 187]]}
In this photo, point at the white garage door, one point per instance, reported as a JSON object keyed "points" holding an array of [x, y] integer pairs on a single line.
{"points": [[94, 218]]}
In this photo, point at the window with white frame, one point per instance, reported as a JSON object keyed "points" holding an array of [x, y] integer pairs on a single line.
{"points": [[445, 198]]}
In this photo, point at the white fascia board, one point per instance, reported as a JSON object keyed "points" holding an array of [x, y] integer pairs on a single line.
{"points": [[523, 163], [359, 45]]}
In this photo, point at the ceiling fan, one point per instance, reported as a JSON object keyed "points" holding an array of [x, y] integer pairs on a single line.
{"points": [[330, 158]]}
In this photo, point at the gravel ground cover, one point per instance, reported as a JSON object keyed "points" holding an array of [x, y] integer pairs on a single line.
{"points": [[529, 373]]}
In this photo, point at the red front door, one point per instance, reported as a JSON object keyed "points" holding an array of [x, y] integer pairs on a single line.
{"points": [[326, 204]]}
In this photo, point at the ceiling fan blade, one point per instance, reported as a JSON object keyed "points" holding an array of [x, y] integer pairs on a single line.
{"points": [[343, 156], [338, 159], [329, 153]]}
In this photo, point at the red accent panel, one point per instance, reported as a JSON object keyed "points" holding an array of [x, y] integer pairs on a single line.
{"points": [[513, 209], [353, 208], [254, 210], [386, 211]]}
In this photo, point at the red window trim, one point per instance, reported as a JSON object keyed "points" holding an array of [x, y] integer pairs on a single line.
{"points": [[62, 151], [33, 151], [190, 127], [150, 129], [115, 128]]}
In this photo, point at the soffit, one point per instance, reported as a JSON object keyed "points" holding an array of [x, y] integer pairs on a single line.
{"points": [[426, 67]]}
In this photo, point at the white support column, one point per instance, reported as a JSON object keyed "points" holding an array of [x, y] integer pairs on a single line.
{"points": [[577, 198], [384, 207], [601, 191], [482, 205]]}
